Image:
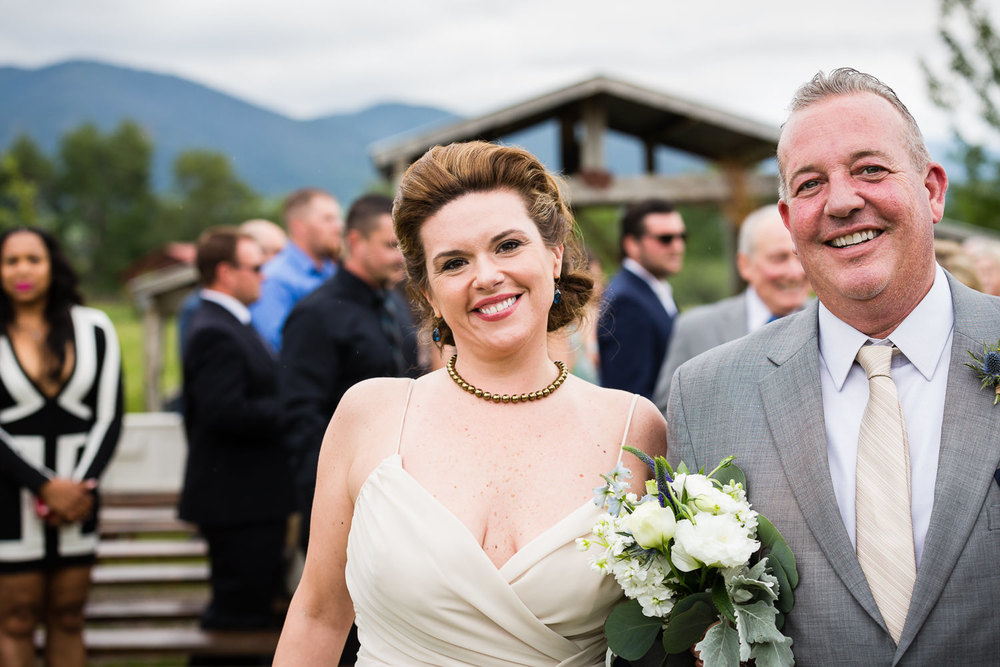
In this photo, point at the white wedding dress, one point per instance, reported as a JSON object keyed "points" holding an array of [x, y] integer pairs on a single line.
{"points": [[425, 593]]}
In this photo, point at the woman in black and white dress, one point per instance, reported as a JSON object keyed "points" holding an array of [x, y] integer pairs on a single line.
{"points": [[60, 418]]}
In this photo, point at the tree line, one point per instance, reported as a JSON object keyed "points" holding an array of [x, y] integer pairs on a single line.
{"points": [[95, 194]]}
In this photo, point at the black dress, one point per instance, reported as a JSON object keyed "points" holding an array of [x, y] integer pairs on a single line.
{"points": [[72, 434]]}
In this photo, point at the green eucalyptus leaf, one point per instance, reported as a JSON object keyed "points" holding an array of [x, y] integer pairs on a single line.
{"points": [[756, 622], [720, 598], [631, 633], [720, 647], [732, 473], [773, 654], [688, 622], [786, 599], [783, 554]]}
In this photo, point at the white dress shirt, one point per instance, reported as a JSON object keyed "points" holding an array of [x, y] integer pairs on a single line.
{"points": [[661, 288], [238, 310], [758, 314], [921, 377]]}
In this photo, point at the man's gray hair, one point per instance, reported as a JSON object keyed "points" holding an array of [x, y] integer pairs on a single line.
{"points": [[748, 230], [849, 81]]}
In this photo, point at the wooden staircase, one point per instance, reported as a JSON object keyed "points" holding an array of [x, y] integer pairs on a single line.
{"points": [[149, 588]]}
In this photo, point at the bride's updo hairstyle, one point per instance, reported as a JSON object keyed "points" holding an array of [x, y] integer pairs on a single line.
{"points": [[445, 173]]}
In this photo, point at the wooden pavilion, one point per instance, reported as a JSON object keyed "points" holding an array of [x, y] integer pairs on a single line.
{"points": [[586, 111]]}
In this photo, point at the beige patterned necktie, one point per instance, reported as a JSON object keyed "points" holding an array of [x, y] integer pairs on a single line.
{"points": [[884, 524]]}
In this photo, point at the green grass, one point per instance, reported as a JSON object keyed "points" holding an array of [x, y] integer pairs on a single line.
{"points": [[128, 324]]}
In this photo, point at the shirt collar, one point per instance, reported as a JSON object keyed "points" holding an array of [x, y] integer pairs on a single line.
{"points": [[758, 314], [661, 288], [921, 337], [231, 304], [298, 258]]}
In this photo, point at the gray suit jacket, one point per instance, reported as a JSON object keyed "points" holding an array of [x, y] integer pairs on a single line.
{"points": [[760, 399], [699, 330]]}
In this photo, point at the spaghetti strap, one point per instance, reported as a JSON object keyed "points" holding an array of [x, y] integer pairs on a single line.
{"points": [[628, 423], [402, 420]]}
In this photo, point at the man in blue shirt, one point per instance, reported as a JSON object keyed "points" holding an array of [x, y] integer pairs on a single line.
{"points": [[315, 230]]}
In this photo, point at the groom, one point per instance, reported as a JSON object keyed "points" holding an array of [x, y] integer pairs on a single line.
{"points": [[911, 577]]}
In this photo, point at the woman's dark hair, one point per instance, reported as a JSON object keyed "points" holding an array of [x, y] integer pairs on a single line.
{"points": [[63, 294], [445, 173]]}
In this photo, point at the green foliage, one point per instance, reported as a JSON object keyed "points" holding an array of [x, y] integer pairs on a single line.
{"points": [[207, 193], [689, 619], [971, 79], [630, 633], [103, 201]]}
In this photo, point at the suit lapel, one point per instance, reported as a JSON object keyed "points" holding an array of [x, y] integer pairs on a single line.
{"points": [[800, 439], [969, 456]]}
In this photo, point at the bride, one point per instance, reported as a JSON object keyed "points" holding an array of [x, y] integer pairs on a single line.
{"points": [[447, 508]]}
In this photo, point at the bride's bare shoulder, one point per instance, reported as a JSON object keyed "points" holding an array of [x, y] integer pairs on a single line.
{"points": [[647, 430]]}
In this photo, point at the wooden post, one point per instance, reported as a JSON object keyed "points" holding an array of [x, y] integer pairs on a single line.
{"points": [[153, 348], [595, 124]]}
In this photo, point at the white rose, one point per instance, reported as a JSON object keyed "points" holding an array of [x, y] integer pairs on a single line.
{"points": [[652, 526], [715, 541]]}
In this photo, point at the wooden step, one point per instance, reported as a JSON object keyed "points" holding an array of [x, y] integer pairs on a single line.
{"points": [[127, 499], [146, 609], [104, 642], [137, 520], [151, 549], [153, 573]]}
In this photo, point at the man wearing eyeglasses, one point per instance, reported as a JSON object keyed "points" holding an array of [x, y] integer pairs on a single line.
{"points": [[237, 482], [639, 310]]}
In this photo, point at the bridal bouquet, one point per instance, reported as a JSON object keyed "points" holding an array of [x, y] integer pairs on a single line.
{"points": [[689, 556]]}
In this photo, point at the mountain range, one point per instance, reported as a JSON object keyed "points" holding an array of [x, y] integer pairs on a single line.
{"points": [[271, 152]]}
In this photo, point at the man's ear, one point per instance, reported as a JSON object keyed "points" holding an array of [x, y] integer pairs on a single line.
{"points": [[630, 245], [936, 182]]}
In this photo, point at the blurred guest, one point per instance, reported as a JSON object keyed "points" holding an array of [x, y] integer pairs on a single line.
{"points": [[312, 218], [985, 254], [953, 259], [60, 418], [269, 236], [776, 286], [237, 485], [352, 328], [638, 316]]}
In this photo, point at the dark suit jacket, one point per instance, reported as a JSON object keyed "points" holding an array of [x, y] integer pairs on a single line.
{"points": [[237, 471], [632, 335], [332, 340], [760, 398]]}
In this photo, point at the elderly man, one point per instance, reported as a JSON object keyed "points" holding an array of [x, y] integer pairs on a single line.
{"points": [[776, 286], [879, 471], [315, 231]]}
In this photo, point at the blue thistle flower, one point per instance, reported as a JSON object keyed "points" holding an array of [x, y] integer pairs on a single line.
{"points": [[991, 364], [987, 368]]}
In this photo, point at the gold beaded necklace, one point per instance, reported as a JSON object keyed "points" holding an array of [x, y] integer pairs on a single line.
{"points": [[507, 398]]}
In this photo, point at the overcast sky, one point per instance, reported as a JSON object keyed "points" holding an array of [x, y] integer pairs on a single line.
{"points": [[307, 58]]}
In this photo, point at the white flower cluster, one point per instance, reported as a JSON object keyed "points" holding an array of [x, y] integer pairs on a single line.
{"points": [[646, 546]]}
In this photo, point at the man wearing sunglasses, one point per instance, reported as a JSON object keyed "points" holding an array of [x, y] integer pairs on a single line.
{"points": [[237, 482], [638, 314]]}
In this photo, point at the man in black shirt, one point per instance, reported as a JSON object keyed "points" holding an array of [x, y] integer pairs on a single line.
{"points": [[353, 327]]}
